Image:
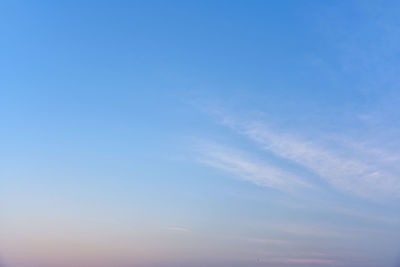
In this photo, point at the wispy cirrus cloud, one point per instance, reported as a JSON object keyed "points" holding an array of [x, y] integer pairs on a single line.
{"points": [[349, 166], [249, 168], [358, 168], [342, 167]]}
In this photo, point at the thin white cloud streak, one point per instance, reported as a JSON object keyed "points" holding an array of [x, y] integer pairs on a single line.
{"points": [[247, 168], [343, 168], [179, 229]]}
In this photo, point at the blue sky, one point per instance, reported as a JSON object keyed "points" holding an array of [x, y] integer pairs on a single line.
{"points": [[199, 133]]}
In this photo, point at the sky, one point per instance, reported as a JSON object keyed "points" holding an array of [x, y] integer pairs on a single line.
{"points": [[199, 133]]}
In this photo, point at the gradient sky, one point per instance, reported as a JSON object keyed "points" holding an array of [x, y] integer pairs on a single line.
{"points": [[199, 133]]}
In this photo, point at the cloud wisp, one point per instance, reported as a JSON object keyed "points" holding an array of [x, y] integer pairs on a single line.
{"points": [[342, 168], [178, 229], [250, 169], [351, 167]]}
